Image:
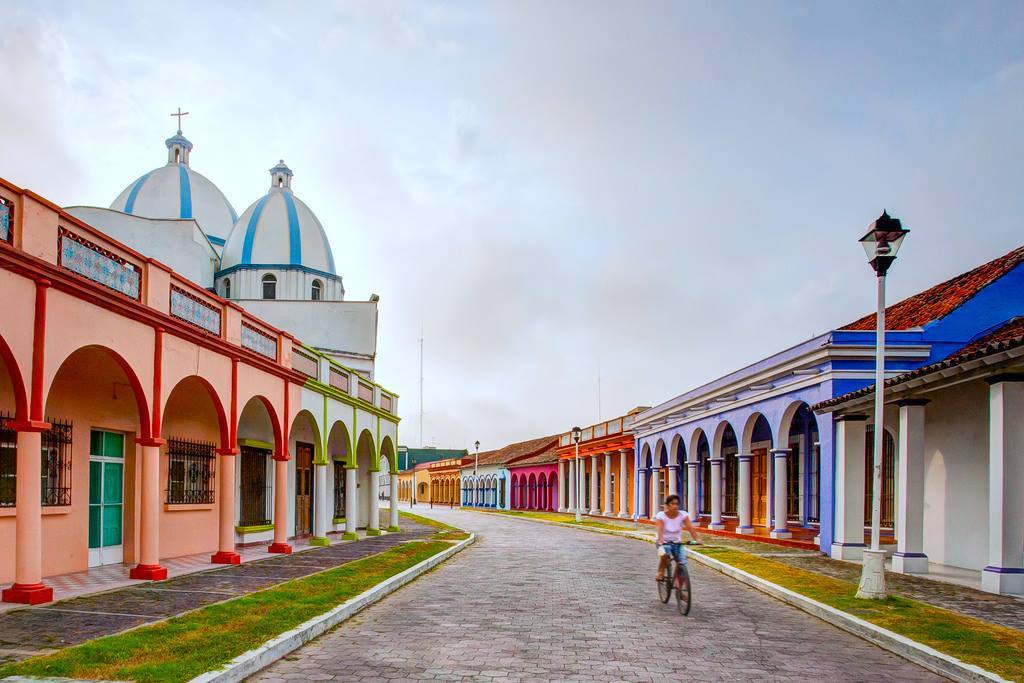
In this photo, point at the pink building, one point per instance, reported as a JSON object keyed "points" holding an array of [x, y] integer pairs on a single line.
{"points": [[169, 420], [534, 482]]}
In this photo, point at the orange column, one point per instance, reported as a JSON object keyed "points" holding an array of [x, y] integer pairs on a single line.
{"points": [[149, 538], [28, 565], [226, 537]]}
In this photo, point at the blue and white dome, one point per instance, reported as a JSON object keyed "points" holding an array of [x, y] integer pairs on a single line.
{"points": [[177, 191], [279, 230]]}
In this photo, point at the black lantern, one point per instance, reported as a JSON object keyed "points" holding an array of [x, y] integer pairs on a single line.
{"points": [[882, 241], [576, 433]]}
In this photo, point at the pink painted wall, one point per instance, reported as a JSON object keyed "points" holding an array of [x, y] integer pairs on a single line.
{"points": [[515, 473]]}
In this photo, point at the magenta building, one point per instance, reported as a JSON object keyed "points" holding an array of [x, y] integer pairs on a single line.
{"points": [[534, 482]]}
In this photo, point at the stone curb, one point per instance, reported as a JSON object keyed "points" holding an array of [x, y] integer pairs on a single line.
{"points": [[922, 655], [255, 660]]}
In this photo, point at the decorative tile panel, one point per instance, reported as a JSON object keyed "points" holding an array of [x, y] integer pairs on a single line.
{"points": [[6, 220], [385, 403], [194, 310], [305, 364], [258, 341], [366, 392], [599, 430], [81, 256]]}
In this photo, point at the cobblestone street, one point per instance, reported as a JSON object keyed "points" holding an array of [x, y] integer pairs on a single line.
{"points": [[536, 602]]}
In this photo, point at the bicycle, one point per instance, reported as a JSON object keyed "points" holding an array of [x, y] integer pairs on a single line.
{"points": [[677, 578]]}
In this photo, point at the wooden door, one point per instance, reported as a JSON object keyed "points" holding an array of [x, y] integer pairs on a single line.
{"points": [[303, 489], [759, 487]]}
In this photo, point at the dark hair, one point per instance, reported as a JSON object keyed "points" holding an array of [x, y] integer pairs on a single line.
{"points": [[672, 499]]}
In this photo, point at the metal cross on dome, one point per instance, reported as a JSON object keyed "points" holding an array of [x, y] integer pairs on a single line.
{"points": [[179, 114]]}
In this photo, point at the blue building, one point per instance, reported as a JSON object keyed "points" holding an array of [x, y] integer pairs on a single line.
{"points": [[746, 453]]}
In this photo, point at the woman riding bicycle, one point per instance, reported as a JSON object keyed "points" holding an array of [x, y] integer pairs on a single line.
{"points": [[669, 523]]}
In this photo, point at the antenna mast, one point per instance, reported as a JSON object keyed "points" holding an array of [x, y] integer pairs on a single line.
{"points": [[421, 385], [599, 389]]}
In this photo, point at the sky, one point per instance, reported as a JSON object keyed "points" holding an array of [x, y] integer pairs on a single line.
{"points": [[561, 196]]}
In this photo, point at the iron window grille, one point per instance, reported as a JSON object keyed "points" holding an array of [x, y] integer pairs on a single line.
{"points": [[55, 470], [793, 482], [814, 486], [190, 472], [56, 464], [8, 462], [888, 517], [255, 489], [339, 488]]}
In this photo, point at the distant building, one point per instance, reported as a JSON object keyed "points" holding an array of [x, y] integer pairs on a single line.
{"points": [[408, 458]]}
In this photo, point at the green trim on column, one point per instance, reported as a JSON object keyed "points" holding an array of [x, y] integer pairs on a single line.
{"points": [[323, 460], [254, 443], [320, 541], [350, 536], [373, 532], [376, 446], [338, 520], [254, 529], [393, 530], [352, 437]]}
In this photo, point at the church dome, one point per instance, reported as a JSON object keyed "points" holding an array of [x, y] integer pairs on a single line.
{"points": [[177, 191], [279, 229]]}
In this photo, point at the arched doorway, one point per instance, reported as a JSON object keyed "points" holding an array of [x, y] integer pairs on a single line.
{"points": [[304, 447], [704, 472], [730, 471], [257, 435], [365, 491], [338, 446], [757, 440], [803, 468]]}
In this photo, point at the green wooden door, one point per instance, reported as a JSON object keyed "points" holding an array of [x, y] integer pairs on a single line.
{"points": [[106, 497]]}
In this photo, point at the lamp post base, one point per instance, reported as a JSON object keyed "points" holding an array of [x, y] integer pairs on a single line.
{"points": [[872, 577]]}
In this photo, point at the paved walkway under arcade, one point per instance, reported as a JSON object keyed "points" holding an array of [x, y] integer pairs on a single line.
{"points": [[30, 631], [532, 601]]}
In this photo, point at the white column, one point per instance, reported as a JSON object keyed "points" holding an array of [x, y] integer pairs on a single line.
{"points": [[673, 478], [851, 431], [623, 483], [561, 486], [595, 505], [607, 512], [393, 516], [320, 503], [692, 504], [909, 556], [351, 499], [571, 481], [781, 529], [653, 489], [745, 526], [374, 522], [716, 493], [581, 480], [1005, 570]]}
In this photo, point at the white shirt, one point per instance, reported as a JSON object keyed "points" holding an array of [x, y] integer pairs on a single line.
{"points": [[672, 529]]}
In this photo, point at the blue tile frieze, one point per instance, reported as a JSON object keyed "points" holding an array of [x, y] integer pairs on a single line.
{"points": [[99, 265], [260, 342], [193, 310]]}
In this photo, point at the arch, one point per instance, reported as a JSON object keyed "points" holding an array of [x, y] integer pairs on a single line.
{"points": [[218, 407], [339, 444], [17, 381], [755, 429], [542, 492], [721, 429], [141, 404], [513, 501], [552, 491], [702, 451], [365, 456], [676, 450], [799, 434], [295, 431], [645, 455], [271, 414], [387, 451], [695, 439], [316, 290], [227, 288], [661, 453]]}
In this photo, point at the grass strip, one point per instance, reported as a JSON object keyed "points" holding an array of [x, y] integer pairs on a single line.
{"points": [[183, 647], [426, 521], [992, 647]]}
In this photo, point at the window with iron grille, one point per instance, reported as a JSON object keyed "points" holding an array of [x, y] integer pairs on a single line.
{"points": [[56, 464], [732, 477], [814, 485], [339, 488], [255, 498], [793, 481], [190, 472], [888, 517], [8, 462]]}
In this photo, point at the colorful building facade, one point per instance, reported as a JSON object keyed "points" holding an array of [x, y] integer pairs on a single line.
{"points": [[445, 481], [601, 477], [533, 482], [171, 421], [486, 481], [746, 452]]}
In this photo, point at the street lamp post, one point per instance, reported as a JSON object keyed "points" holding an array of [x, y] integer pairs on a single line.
{"points": [[881, 242], [576, 434], [476, 473]]}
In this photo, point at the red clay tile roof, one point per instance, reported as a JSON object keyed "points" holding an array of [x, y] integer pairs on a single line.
{"points": [[516, 451], [1009, 336], [940, 300], [550, 455]]}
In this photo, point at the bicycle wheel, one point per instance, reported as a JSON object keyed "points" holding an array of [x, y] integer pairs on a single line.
{"points": [[683, 590], [665, 585]]}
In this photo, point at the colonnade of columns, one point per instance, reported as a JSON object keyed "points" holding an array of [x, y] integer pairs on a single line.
{"points": [[572, 483]]}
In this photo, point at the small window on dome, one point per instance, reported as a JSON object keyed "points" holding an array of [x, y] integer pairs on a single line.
{"points": [[317, 290], [227, 288], [280, 182], [177, 155], [269, 287]]}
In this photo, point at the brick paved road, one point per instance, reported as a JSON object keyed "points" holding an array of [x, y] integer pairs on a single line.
{"points": [[536, 602]]}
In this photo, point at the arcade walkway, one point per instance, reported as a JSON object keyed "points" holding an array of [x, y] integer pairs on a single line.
{"points": [[537, 602]]}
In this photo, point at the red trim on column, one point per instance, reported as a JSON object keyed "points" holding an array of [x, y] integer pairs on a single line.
{"points": [[148, 572], [233, 437], [38, 351], [158, 371], [28, 593], [283, 548], [222, 557], [281, 452]]}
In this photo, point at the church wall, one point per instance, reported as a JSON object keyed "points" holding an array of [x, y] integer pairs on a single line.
{"points": [[180, 244], [293, 284], [346, 326]]}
